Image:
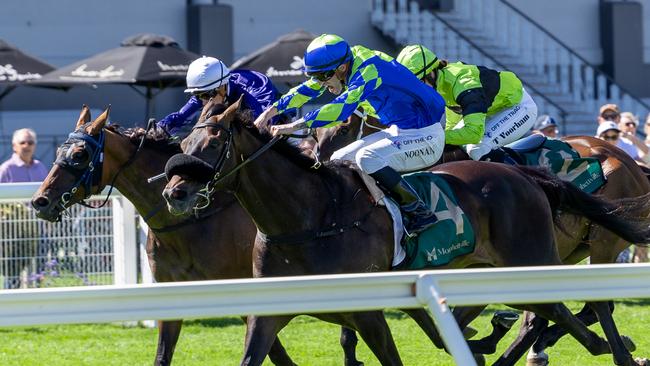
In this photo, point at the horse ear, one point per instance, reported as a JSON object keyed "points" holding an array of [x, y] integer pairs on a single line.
{"points": [[99, 122], [229, 113], [206, 109], [84, 116]]}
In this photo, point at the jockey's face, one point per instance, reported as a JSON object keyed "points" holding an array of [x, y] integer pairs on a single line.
{"points": [[336, 83]]}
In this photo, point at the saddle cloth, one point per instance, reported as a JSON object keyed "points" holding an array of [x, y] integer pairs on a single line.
{"points": [[560, 158], [451, 236]]}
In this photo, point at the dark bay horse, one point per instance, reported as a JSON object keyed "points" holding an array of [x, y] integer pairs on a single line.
{"points": [[576, 237], [217, 245], [275, 184]]}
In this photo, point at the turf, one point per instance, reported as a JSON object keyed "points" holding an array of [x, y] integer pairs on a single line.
{"points": [[308, 341]]}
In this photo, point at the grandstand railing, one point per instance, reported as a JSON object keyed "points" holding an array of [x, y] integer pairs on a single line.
{"points": [[88, 247], [494, 33], [436, 290]]}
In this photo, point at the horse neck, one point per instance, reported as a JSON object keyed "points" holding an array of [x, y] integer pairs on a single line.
{"points": [[132, 181], [280, 196]]}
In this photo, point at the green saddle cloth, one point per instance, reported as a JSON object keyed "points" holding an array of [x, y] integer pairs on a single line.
{"points": [[566, 163], [451, 236]]}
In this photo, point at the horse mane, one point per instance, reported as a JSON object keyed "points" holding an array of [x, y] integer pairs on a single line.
{"points": [[155, 138], [244, 119]]}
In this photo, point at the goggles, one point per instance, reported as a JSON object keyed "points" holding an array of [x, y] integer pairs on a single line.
{"points": [[321, 76], [205, 94]]}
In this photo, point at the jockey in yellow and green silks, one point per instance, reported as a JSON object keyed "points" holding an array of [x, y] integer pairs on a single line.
{"points": [[486, 109], [413, 137]]}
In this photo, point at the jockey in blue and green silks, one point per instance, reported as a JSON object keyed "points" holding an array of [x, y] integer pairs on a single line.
{"points": [[413, 138]]}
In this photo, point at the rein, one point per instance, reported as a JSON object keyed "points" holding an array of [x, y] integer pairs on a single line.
{"points": [[206, 192]]}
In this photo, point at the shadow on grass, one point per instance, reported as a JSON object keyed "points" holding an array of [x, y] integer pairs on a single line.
{"points": [[215, 322], [19, 329]]}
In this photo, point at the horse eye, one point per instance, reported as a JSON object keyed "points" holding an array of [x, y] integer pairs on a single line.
{"points": [[343, 130], [79, 155]]}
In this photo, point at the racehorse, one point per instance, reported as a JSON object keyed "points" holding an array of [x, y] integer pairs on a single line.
{"points": [[176, 247], [576, 237], [275, 184]]}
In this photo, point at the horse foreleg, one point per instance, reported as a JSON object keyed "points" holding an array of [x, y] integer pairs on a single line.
{"points": [[562, 316], [168, 332], [531, 327], [620, 353], [552, 334], [349, 342], [261, 334], [374, 330]]}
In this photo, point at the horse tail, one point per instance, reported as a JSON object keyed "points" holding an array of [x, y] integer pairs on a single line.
{"points": [[625, 217]]}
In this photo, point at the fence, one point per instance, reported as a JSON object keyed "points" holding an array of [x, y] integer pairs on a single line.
{"points": [[321, 294], [88, 247]]}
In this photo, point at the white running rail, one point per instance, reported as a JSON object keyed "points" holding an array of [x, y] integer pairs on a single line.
{"points": [[120, 224], [319, 294]]}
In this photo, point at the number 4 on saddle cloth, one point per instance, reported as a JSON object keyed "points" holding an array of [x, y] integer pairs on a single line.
{"points": [[451, 236]]}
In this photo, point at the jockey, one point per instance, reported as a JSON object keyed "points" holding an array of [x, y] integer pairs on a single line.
{"points": [[413, 138], [486, 109], [208, 77]]}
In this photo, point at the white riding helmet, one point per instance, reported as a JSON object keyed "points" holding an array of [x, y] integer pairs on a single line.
{"points": [[206, 73]]}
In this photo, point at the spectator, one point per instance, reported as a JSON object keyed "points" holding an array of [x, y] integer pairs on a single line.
{"points": [[546, 125], [628, 125], [609, 112], [22, 167]]}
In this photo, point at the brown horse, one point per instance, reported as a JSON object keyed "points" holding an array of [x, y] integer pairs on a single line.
{"points": [[274, 184], [176, 247], [576, 237]]}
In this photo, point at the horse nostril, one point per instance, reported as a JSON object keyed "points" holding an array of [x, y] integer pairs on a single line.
{"points": [[178, 194], [41, 202]]}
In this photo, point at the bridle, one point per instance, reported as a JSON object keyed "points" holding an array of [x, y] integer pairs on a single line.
{"points": [[206, 192], [91, 174]]}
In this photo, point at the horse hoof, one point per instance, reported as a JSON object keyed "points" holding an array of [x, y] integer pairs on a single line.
{"points": [[469, 332], [505, 318], [537, 359], [629, 344], [480, 359], [642, 361]]}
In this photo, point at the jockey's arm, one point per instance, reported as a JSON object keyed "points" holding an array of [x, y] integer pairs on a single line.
{"points": [[184, 115], [298, 96], [361, 84], [474, 109]]}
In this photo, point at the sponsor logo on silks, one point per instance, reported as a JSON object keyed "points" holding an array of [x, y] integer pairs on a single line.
{"points": [[296, 69], [505, 118], [108, 72], [514, 128], [398, 144], [8, 73], [164, 67], [419, 152]]}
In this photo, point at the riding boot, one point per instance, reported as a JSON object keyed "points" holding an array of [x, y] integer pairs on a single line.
{"points": [[418, 216], [501, 155]]}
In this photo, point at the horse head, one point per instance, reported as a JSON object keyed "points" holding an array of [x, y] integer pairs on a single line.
{"points": [[208, 154], [78, 171]]}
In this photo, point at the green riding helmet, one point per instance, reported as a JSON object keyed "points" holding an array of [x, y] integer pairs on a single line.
{"points": [[419, 59]]}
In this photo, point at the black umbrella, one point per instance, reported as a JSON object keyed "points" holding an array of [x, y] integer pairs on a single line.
{"points": [[282, 60], [148, 60], [16, 68]]}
